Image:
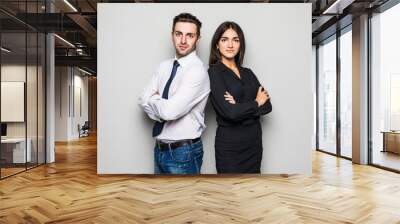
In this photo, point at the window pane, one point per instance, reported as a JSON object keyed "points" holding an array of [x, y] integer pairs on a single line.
{"points": [[386, 88], [327, 96], [346, 94]]}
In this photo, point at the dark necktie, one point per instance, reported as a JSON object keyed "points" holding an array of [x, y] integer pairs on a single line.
{"points": [[158, 126]]}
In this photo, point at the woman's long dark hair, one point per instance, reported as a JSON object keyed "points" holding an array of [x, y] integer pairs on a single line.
{"points": [[215, 56]]}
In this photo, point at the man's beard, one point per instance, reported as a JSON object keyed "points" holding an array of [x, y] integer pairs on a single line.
{"points": [[188, 52]]}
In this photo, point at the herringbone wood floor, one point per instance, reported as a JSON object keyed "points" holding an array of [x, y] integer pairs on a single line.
{"points": [[70, 191]]}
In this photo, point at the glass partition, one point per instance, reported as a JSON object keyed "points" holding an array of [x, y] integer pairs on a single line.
{"points": [[13, 104], [22, 77], [327, 96]]}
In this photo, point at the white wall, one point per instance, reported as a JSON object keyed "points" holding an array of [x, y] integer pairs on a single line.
{"points": [[278, 38], [14, 74], [79, 117], [61, 103], [67, 117], [18, 73]]}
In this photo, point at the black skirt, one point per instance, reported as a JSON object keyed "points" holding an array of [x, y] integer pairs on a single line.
{"points": [[238, 149]]}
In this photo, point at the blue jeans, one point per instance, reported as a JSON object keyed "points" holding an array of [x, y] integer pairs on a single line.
{"points": [[182, 160]]}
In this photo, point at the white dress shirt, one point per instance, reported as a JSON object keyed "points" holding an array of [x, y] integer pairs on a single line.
{"points": [[183, 111]]}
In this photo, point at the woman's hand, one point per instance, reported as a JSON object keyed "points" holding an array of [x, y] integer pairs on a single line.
{"points": [[262, 96], [229, 98]]}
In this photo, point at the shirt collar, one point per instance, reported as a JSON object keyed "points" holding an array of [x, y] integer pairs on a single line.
{"points": [[223, 68], [186, 60]]}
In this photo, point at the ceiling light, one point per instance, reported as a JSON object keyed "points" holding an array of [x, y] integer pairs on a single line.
{"points": [[331, 7], [338, 6], [70, 5], [5, 50], [65, 41], [84, 71]]}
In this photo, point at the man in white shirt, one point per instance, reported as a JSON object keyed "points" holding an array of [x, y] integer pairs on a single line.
{"points": [[176, 99]]}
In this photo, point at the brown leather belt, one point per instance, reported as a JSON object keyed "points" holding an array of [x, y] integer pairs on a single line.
{"points": [[173, 145]]}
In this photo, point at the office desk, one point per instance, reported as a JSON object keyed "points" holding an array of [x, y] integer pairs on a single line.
{"points": [[391, 141], [13, 150]]}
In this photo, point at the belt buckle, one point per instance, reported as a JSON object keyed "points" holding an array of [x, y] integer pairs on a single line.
{"points": [[169, 146], [158, 144], [163, 143]]}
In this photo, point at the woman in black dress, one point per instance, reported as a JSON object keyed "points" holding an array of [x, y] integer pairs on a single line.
{"points": [[239, 100]]}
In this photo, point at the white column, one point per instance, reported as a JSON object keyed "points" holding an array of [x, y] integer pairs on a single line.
{"points": [[360, 90], [50, 110]]}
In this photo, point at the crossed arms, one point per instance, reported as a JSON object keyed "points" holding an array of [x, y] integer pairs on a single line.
{"points": [[193, 87]]}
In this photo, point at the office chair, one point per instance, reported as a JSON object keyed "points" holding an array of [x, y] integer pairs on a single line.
{"points": [[84, 130]]}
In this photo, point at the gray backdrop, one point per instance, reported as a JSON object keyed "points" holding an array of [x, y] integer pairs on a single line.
{"points": [[134, 38]]}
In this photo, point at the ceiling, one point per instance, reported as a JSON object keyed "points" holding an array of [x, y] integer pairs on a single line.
{"points": [[76, 22]]}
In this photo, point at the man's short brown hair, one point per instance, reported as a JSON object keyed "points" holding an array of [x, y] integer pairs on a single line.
{"points": [[188, 18]]}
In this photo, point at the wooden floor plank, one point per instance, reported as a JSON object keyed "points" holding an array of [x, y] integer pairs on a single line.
{"points": [[70, 191]]}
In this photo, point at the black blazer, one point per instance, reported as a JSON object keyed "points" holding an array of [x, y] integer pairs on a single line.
{"points": [[244, 91]]}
